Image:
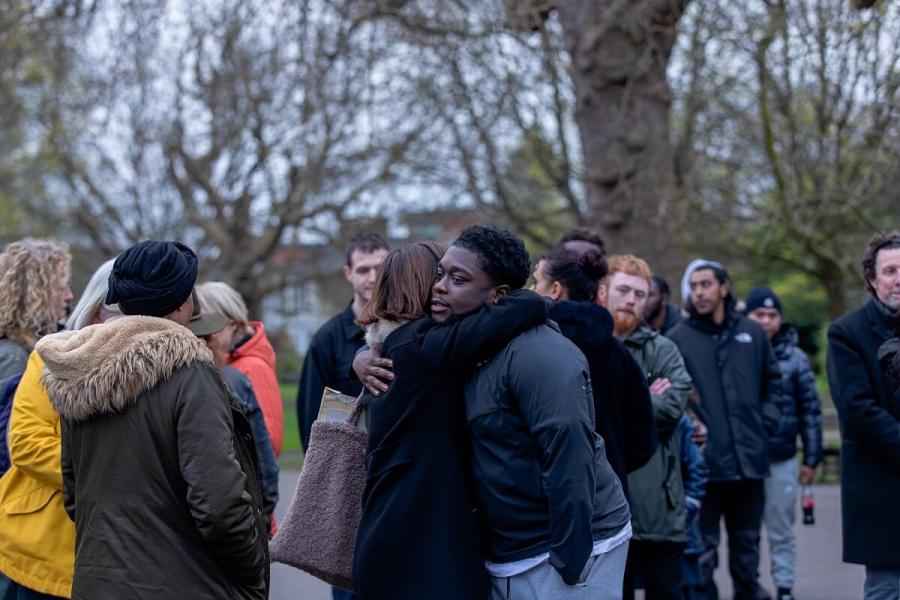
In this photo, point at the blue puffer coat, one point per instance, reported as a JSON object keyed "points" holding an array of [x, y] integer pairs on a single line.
{"points": [[801, 411], [695, 474]]}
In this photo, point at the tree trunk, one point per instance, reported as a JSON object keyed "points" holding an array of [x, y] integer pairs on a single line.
{"points": [[246, 285], [836, 291], [620, 50]]}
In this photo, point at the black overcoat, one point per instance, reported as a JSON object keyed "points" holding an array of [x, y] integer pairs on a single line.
{"points": [[622, 406], [419, 534], [869, 411]]}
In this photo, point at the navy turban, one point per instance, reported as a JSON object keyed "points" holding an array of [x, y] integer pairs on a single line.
{"points": [[152, 278]]}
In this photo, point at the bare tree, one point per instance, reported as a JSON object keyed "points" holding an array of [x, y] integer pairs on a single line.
{"points": [[505, 139], [35, 38], [795, 143], [585, 94], [233, 126], [237, 125], [620, 52]]}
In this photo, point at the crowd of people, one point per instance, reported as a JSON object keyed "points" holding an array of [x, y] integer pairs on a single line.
{"points": [[583, 438]]}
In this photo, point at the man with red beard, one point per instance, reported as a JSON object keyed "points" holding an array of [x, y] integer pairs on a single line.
{"points": [[658, 519]]}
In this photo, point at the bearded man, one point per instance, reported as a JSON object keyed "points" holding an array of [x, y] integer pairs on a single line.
{"points": [[657, 492], [736, 374]]}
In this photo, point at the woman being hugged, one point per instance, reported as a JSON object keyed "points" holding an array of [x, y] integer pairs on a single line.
{"points": [[419, 535]]}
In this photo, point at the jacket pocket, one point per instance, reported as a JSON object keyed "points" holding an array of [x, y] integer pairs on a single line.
{"points": [[389, 457], [588, 570], [30, 502]]}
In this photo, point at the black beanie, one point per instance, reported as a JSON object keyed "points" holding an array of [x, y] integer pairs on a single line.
{"points": [[762, 297], [152, 278]]}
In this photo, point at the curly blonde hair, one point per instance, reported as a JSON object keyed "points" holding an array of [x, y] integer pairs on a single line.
{"points": [[34, 277]]}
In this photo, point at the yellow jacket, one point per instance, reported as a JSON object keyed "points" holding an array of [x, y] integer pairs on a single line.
{"points": [[37, 538]]}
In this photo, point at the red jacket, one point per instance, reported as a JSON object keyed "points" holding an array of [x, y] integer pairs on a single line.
{"points": [[255, 358]]}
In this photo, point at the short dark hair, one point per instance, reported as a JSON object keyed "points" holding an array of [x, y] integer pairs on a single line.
{"points": [[583, 234], [579, 273], [883, 240], [366, 243], [662, 285], [719, 271], [502, 255], [403, 285]]}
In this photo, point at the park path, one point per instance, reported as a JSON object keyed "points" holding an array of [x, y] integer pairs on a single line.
{"points": [[820, 573]]}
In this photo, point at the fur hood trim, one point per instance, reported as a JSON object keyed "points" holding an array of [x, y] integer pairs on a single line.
{"points": [[103, 369], [378, 331]]}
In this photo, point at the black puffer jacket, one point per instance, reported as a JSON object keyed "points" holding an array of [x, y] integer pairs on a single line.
{"points": [[541, 474], [153, 472], [622, 406], [801, 412], [736, 375]]}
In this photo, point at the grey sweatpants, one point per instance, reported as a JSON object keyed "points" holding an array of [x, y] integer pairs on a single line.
{"points": [[601, 580], [779, 516]]}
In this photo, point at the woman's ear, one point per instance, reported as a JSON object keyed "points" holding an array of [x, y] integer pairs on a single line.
{"points": [[557, 291], [498, 292], [601, 294]]}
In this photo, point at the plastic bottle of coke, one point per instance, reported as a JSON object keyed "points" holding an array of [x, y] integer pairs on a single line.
{"points": [[808, 502]]}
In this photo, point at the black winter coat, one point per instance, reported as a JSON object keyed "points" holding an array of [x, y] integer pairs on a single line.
{"points": [[245, 445], [736, 375], [622, 406], [327, 364], [801, 411], [541, 472], [419, 535], [868, 406]]}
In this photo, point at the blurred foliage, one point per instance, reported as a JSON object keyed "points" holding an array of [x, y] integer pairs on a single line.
{"points": [[803, 298], [534, 193], [291, 449], [786, 114], [287, 361]]}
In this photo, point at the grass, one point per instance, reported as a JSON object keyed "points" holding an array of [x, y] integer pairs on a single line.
{"points": [[291, 450]]}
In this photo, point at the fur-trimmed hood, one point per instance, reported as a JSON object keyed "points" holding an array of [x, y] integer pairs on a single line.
{"points": [[378, 331], [103, 369]]}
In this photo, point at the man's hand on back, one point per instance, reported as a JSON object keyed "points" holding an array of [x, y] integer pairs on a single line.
{"points": [[374, 372]]}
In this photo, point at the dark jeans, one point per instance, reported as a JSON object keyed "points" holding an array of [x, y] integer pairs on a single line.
{"points": [[658, 565], [741, 503], [339, 594], [10, 590]]}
